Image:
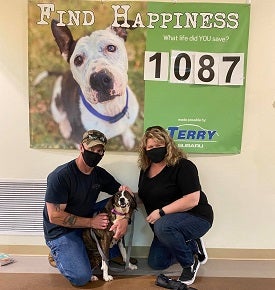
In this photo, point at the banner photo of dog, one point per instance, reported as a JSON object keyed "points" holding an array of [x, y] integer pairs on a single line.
{"points": [[85, 73], [195, 73]]}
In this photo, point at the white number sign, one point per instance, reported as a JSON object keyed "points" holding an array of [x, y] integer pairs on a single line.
{"points": [[189, 67]]}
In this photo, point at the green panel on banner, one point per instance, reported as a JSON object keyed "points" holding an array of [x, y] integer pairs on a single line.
{"points": [[201, 117]]}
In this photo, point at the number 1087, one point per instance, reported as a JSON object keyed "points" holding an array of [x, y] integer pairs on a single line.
{"points": [[195, 67]]}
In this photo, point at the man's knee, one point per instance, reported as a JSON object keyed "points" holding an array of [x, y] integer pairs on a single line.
{"points": [[80, 279]]}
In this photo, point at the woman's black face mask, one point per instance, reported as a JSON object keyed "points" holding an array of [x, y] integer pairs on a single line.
{"points": [[91, 158], [156, 155]]}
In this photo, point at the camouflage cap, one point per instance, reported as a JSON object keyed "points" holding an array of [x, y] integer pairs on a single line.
{"points": [[94, 137]]}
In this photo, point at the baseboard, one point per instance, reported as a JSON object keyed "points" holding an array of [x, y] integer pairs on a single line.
{"points": [[241, 254], [222, 253], [142, 252], [31, 250]]}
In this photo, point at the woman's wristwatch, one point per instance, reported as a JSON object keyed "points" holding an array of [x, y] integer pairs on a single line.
{"points": [[161, 212]]}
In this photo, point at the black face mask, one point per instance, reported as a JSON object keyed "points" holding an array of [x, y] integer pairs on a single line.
{"points": [[91, 158], [156, 155]]}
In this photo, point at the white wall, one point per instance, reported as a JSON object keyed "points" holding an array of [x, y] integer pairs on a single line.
{"points": [[240, 187]]}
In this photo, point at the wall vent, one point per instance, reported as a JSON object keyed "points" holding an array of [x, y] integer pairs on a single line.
{"points": [[21, 206]]}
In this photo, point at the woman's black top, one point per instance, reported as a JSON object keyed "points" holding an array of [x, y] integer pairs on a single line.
{"points": [[172, 183]]}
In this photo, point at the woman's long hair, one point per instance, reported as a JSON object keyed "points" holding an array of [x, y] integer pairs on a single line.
{"points": [[160, 135]]}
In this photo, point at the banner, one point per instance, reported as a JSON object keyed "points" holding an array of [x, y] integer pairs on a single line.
{"points": [[137, 64]]}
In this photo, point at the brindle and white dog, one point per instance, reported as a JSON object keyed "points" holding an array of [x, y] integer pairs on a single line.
{"points": [[121, 205]]}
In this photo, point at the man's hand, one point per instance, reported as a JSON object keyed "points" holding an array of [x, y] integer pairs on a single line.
{"points": [[119, 228], [100, 221]]}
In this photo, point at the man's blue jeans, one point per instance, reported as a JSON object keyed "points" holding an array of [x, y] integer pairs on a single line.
{"points": [[71, 257], [70, 254], [173, 241]]}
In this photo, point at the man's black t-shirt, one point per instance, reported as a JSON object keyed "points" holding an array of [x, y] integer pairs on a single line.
{"points": [[68, 185], [172, 183]]}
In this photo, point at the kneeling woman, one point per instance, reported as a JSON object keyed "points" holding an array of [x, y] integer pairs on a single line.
{"points": [[178, 210]]}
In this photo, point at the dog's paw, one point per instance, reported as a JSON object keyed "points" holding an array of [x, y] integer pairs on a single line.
{"points": [[108, 278], [94, 278], [132, 267], [129, 139], [65, 128]]}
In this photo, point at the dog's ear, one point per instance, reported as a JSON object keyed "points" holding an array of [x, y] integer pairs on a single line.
{"points": [[109, 204], [133, 201], [113, 199], [64, 39], [122, 31]]}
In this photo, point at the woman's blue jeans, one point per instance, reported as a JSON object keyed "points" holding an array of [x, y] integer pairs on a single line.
{"points": [[173, 241], [70, 254]]}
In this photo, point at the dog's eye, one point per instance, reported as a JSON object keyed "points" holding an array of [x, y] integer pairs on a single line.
{"points": [[111, 48], [78, 60]]}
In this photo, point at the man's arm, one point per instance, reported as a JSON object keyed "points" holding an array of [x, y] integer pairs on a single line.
{"points": [[58, 216]]}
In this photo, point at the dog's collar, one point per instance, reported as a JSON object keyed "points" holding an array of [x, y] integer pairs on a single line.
{"points": [[110, 119], [114, 211]]}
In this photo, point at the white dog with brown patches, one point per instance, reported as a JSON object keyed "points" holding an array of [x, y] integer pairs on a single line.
{"points": [[95, 92]]}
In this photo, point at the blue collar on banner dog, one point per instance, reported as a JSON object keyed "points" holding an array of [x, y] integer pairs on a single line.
{"points": [[110, 119]]}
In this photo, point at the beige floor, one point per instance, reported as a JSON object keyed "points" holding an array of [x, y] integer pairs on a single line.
{"points": [[34, 272], [213, 268]]}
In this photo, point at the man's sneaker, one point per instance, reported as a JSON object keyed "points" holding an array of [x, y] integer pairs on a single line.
{"points": [[188, 274], [202, 254], [51, 260]]}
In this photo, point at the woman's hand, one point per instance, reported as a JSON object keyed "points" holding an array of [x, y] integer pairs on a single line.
{"points": [[153, 216]]}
